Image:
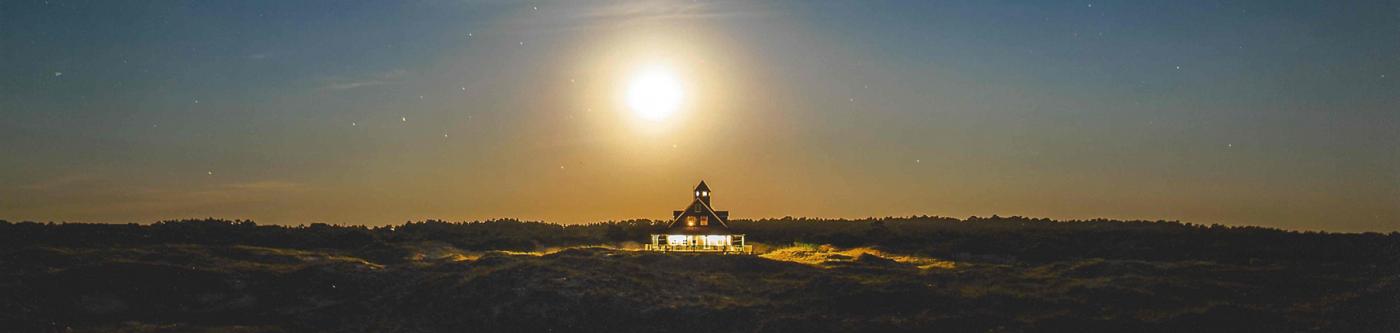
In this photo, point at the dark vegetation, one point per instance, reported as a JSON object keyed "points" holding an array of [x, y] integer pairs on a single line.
{"points": [[1010, 274]]}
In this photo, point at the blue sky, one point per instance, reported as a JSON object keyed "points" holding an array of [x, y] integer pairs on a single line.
{"points": [[1274, 113]]}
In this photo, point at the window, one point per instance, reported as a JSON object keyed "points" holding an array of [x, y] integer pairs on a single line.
{"points": [[705, 193], [697, 208], [690, 221], [676, 239], [718, 240], [704, 220]]}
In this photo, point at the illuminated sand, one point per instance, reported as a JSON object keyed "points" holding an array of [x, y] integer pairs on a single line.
{"points": [[431, 286]]}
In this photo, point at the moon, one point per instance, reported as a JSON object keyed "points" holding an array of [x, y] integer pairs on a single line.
{"points": [[654, 94]]}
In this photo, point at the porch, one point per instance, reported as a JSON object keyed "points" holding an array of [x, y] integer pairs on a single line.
{"points": [[699, 243]]}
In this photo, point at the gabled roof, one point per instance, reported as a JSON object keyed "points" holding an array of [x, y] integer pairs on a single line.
{"points": [[702, 187], [717, 221]]}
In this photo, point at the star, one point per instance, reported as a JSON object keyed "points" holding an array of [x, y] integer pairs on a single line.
{"points": [[522, 43], [464, 88], [534, 8], [444, 135], [196, 101], [211, 172], [354, 124], [918, 161], [469, 34], [57, 74], [1178, 67], [403, 119]]}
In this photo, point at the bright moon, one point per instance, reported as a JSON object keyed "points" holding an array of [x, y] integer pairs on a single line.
{"points": [[654, 94]]}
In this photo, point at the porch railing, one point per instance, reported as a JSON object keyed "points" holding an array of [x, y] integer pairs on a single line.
{"points": [[658, 243]]}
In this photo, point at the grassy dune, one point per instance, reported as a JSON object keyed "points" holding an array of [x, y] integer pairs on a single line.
{"points": [[437, 286]]}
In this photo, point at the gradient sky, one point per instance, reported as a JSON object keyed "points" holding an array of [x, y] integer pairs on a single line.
{"points": [[1274, 113]]}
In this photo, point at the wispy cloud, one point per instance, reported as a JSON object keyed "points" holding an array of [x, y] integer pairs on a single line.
{"points": [[588, 15], [347, 85], [392, 77], [644, 11], [61, 182], [98, 194], [261, 186]]}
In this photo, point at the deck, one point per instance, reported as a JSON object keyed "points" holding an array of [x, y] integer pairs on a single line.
{"points": [[727, 249], [727, 244]]}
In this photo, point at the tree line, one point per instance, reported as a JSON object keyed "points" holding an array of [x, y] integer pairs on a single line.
{"points": [[1014, 239]]}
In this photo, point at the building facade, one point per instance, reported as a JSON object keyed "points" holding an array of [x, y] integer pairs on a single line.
{"points": [[699, 228]]}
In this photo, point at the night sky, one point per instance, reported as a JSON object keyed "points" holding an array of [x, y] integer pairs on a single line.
{"points": [[1274, 113]]}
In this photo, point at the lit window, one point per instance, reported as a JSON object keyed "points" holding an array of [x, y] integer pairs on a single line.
{"points": [[704, 220], [717, 240], [675, 239], [690, 221], [697, 193], [705, 194]]}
